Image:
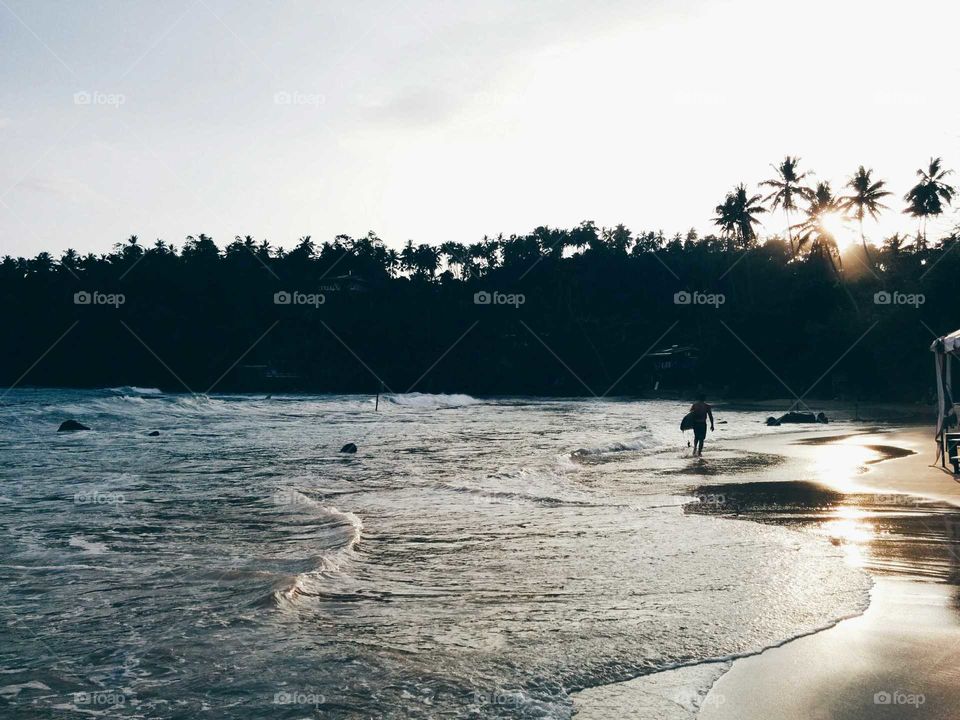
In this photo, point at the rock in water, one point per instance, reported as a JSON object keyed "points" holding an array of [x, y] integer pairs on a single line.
{"points": [[71, 425], [349, 448], [155, 433], [772, 421]]}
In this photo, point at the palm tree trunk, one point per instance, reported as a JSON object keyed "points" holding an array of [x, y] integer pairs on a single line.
{"points": [[863, 239], [789, 233], [839, 275]]}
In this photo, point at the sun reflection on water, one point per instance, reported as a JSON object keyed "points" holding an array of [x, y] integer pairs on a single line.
{"points": [[851, 529], [838, 466]]}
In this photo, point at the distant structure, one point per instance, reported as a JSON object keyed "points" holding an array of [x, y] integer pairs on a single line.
{"points": [[251, 378], [345, 283], [674, 367]]}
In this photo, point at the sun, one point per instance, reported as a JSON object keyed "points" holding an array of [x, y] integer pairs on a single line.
{"points": [[836, 224]]}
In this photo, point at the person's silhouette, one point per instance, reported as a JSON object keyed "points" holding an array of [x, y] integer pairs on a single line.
{"points": [[701, 411]]}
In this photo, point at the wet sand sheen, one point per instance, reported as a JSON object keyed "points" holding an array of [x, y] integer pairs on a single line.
{"points": [[909, 545]]}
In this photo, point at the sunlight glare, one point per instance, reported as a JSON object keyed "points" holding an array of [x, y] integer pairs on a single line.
{"points": [[836, 224]]}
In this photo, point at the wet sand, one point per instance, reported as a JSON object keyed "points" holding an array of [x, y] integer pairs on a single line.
{"points": [[876, 495]]}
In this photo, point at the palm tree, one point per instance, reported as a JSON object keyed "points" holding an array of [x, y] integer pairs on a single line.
{"points": [[69, 259], [426, 260], [408, 260], [812, 229], [735, 216], [458, 256], [129, 249], [787, 187], [864, 199], [928, 196], [894, 244]]}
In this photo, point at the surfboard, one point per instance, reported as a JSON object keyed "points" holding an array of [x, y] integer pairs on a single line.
{"points": [[687, 423]]}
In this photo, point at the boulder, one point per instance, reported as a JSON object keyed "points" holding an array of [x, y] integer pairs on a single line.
{"points": [[71, 426], [798, 418], [154, 433], [348, 448]]}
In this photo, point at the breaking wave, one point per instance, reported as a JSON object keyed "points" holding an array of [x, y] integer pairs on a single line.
{"points": [[426, 401]]}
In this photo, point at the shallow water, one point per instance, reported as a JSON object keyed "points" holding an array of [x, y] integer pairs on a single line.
{"points": [[473, 559]]}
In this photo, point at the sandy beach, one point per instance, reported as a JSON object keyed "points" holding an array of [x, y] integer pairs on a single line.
{"points": [[875, 494]]}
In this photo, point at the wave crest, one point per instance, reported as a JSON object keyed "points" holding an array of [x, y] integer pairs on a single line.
{"points": [[427, 401]]}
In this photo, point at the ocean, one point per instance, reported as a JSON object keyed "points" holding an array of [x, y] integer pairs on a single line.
{"points": [[475, 557]]}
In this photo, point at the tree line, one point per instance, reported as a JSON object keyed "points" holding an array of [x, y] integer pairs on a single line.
{"points": [[800, 315]]}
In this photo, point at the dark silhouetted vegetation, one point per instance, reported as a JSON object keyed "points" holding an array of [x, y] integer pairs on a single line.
{"points": [[559, 311]]}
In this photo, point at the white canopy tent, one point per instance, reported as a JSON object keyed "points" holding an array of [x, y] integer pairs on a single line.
{"points": [[946, 349]]}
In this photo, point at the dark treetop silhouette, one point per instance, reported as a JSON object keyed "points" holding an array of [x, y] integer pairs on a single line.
{"points": [[562, 312]]}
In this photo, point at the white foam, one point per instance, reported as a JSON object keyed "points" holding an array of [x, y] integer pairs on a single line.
{"points": [[427, 401], [12, 691], [87, 546], [134, 390], [328, 562]]}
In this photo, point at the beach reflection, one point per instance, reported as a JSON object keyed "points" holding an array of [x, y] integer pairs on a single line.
{"points": [[838, 465], [885, 533], [851, 529]]}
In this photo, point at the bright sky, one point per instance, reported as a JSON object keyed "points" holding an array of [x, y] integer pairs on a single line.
{"points": [[440, 120]]}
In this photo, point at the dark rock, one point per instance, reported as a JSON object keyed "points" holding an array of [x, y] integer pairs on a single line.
{"points": [[349, 448], [798, 418], [155, 433], [71, 425]]}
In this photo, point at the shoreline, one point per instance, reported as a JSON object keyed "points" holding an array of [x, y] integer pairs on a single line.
{"points": [[874, 493]]}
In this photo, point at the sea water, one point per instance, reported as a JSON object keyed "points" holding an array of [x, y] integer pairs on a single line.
{"points": [[474, 558]]}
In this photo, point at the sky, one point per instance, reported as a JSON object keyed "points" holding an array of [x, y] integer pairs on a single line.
{"points": [[448, 120]]}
